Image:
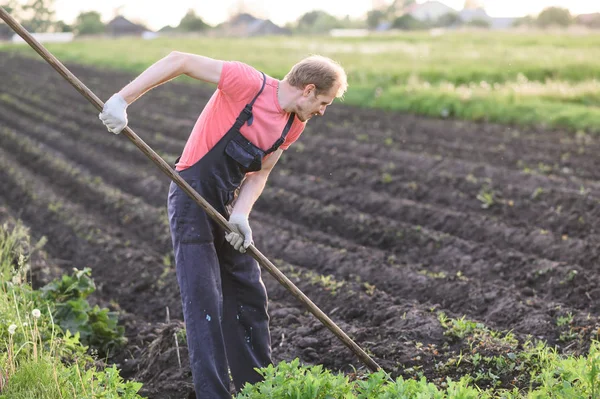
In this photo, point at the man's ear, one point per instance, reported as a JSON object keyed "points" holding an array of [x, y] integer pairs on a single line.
{"points": [[308, 89]]}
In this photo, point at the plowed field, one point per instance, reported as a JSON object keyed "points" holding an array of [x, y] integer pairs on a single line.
{"points": [[382, 219]]}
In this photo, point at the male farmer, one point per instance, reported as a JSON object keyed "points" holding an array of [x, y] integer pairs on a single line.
{"points": [[239, 136]]}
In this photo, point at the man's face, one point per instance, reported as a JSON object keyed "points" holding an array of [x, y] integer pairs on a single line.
{"points": [[311, 104]]}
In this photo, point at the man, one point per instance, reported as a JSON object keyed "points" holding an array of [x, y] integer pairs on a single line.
{"points": [[238, 138]]}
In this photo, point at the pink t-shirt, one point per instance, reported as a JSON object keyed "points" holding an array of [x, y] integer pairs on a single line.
{"points": [[238, 85]]}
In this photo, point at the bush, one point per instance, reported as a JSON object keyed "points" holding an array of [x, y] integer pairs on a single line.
{"points": [[408, 22], [292, 381], [552, 375], [192, 23], [554, 16], [88, 23], [97, 327], [479, 23]]}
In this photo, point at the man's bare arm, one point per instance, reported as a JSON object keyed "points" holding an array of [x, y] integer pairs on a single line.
{"points": [[170, 67], [114, 112]]}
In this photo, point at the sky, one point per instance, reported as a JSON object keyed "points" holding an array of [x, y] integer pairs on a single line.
{"points": [[158, 14]]}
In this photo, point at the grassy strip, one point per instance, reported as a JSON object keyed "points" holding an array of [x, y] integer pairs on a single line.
{"points": [[381, 69], [532, 111], [457, 57], [38, 359]]}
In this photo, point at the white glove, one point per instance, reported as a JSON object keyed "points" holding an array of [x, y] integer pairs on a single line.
{"points": [[114, 115], [241, 236]]}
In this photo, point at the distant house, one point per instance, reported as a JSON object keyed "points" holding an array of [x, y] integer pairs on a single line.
{"points": [[502, 22], [471, 14], [428, 11], [432, 10], [266, 27], [589, 20], [121, 26], [167, 29], [468, 15], [246, 25]]}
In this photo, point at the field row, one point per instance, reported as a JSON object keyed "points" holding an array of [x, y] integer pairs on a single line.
{"points": [[400, 229], [387, 221]]}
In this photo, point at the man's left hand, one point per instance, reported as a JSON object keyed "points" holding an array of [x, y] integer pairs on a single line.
{"points": [[241, 236]]}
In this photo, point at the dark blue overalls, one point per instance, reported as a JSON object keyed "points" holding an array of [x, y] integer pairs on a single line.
{"points": [[223, 296]]}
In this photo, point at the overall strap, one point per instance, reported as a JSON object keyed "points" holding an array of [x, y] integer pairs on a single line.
{"points": [[246, 114], [286, 130], [260, 91]]}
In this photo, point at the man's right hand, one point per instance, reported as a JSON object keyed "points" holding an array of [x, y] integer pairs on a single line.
{"points": [[241, 233], [114, 114]]}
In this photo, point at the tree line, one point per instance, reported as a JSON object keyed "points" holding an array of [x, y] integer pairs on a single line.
{"points": [[39, 16], [394, 17]]}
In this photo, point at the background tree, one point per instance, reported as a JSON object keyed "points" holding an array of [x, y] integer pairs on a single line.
{"points": [[62, 26], [12, 7], [88, 23], [554, 16], [308, 19], [192, 23], [473, 4], [400, 5], [408, 22], [317, 22], [39, 15], [349, 23], [449, 19], [374, 18], [527, 20]]}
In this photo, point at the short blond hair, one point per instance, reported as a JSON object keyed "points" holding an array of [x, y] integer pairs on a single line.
{"points": [[321, 71]]}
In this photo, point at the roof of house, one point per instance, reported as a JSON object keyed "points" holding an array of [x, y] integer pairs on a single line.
{"points": [[247, 25], [121, 24], [502, 22], [428, 10], [473, 13]]}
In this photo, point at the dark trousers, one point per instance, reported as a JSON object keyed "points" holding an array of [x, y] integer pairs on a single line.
{"points": [[224, 301]]}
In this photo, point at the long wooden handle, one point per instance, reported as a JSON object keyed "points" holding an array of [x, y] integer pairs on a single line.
{"points": [[164, 166]]}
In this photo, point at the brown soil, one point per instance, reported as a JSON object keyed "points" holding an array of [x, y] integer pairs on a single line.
{"points": [[384, 203]]}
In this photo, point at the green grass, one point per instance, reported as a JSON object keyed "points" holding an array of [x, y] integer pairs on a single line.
{"points": [[37, 359], [20, 386], [522, 78], [48, 378]]}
